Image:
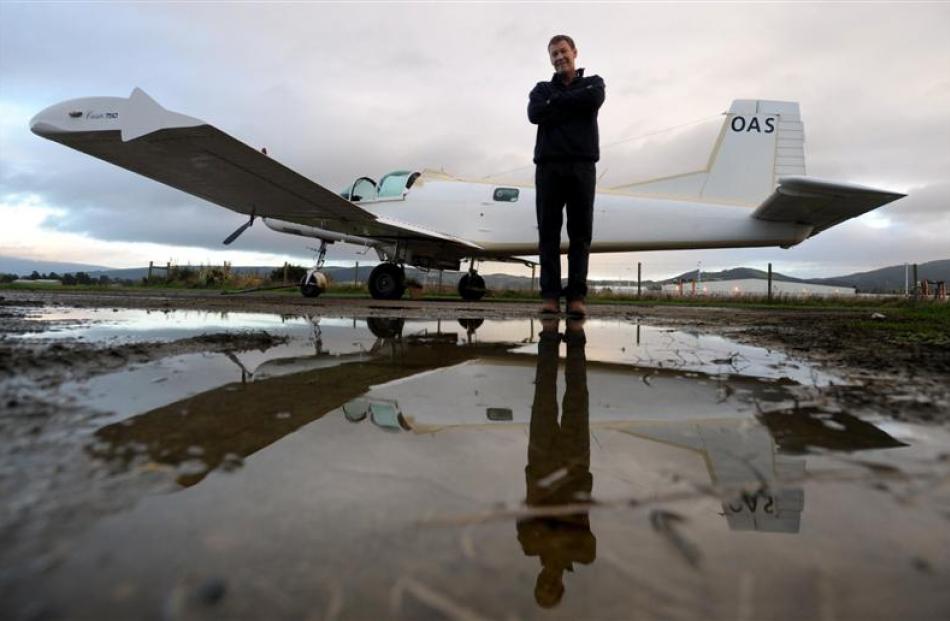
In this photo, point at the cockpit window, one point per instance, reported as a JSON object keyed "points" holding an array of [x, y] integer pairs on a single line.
{"points": [[363, 189], [393, 184], [390, 186], [506, 195]]}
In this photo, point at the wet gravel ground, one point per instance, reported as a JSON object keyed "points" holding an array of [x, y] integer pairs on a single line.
{"points": [[907, 379], [53, 489]]}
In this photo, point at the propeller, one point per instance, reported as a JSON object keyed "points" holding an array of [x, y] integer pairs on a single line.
{"points": [[240, 229]]}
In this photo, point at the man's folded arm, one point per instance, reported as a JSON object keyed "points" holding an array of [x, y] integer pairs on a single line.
{"points": [[540, 109], [591, 97]]}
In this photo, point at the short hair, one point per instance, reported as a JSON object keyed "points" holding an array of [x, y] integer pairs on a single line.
{"points": [[561, 37]]}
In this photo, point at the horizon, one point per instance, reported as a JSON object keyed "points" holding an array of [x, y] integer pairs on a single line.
{"points": [[351, 265]]}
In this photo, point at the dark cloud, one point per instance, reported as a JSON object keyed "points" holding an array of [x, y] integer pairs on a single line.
{"points": [[339, 91]]}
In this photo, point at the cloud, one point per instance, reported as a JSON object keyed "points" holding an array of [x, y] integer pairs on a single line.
{"points": [[337, 91]]}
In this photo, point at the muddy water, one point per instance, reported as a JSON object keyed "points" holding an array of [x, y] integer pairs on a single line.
{"points": [[477, 470]]}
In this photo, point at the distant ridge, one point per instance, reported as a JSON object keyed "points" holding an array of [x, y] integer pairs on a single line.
{"points": [[736, 273], [25, 267], [883, 280], [889, 279]]}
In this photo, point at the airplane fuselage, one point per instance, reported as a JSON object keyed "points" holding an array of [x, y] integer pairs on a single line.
{"points": [[622, 222]]}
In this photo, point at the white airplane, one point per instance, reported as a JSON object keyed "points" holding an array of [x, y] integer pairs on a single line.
{"points": [[752, 192]]}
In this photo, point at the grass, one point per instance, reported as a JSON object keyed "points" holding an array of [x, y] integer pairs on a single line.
{"points": [[905, 320], [924, 322], [899, 307]]}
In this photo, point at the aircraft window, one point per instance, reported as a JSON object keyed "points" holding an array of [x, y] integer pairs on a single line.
{"points": [[506, 195], [363, 189], [393, 184]]}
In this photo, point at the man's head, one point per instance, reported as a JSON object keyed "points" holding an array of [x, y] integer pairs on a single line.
{"points": [[563, 53]]}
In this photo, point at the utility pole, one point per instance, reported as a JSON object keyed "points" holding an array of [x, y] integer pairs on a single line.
{"points": [[914, 287]]}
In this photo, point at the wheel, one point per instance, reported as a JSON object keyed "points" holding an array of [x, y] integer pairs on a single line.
{"points": [[313, 284], [472, 287], [387, 281], [471, 325], [385, 328]]}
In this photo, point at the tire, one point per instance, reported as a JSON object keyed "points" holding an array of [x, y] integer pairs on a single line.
{"points": [[310, 290], [470, 325], [387, 281], [385, 328], [313, 284], [472, 287]]}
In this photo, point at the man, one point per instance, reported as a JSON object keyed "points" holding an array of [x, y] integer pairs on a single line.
{"points": [[558, 469], [565, 151]]}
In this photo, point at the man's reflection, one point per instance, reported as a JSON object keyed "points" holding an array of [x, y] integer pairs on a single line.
{"points": [[558, 470]]}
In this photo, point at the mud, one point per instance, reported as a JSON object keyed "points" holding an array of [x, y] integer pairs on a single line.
{"points": [[202, 456]]}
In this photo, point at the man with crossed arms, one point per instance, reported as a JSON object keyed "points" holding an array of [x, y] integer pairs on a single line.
{"points": [[565, 152]]}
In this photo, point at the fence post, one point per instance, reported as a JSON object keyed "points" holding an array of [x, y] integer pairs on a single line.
{"points": [[770, 282], [915, 290], [639, 274], [148, 279], [356, 275]]}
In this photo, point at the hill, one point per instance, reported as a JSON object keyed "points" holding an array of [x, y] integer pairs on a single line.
{"points": [[889, 279], [884, 280], [25, 267]]}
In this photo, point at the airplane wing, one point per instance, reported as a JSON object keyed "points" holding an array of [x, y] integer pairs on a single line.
{"points": [[821, 204], [195, 157]]}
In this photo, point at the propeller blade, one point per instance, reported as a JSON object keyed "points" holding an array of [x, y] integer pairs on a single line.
{"points": [[230, 238]]}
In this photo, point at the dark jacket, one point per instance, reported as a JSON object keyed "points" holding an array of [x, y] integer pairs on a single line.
{"points": [[566, 116]]}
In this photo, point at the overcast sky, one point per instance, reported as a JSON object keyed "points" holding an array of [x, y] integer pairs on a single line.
{"points": [[338, 91]]}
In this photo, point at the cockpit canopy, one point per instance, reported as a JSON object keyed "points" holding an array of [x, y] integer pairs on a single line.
{"points": [[392, 185]]}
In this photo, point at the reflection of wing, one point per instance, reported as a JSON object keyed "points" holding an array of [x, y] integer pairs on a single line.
{"points": [[195, 157], [822, 204]]}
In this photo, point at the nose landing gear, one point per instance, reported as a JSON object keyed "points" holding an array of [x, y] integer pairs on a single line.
{"points": [[315, 282]]}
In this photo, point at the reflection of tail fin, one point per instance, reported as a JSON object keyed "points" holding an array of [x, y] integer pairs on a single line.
{"points": [[759, 142]]}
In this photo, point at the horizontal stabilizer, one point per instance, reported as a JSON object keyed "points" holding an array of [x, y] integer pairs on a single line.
{"points": [[820, 204]]}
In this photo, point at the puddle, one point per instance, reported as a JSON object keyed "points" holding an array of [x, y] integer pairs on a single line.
{"points": [[121, 325], [496, 469]]}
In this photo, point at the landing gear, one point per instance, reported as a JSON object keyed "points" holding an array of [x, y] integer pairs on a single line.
{"points": [[313, 284], [387, 281], [385, 328], [472, 287]]}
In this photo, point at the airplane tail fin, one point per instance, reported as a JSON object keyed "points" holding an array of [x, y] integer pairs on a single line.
{"points": [[759, 142]]}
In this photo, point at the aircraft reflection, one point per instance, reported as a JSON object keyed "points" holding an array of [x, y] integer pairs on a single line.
{"points": [[558, 470], [220, 427], [428, 381]]}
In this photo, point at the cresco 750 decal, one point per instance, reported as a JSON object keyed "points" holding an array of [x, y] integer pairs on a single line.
{"points": [[102, 115]]}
